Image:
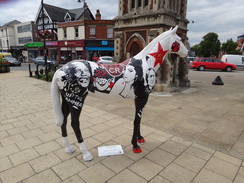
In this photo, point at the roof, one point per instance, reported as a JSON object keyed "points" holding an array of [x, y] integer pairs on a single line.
{"points": [[55, 13], [11, 23]]}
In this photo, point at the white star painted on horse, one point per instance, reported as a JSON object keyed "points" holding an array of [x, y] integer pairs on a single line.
{"points": [[159, 55]]}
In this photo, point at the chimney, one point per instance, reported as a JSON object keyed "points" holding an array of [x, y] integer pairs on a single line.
{"points": [[98, 15]]}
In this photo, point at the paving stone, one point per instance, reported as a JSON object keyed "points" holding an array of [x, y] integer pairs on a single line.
{"points": [[146, 168], [8, 150], [96, 173], [45, 176], [44, 162], [23, 156], [47, 147], [104, 136], [117, 163], [74, 179], [161, 157], [239, 179], [49, 136], [100, 128], [17, 174], [124, 140], [26, 144], [241, 170], [68, 168], [33, 133], [228, 158], [159, 179], [190, 162], [173, 147], [203, 148], [198, 153], [210, 176], [176, 174], [5, 164], [222, 167], [12, 139], [118, 130], [127, 176]]}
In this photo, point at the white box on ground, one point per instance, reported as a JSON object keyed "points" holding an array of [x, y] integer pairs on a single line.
{"points": [[110, 150]]}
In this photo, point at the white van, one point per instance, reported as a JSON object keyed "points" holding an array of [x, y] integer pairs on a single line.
{"points": [[238, 60]]}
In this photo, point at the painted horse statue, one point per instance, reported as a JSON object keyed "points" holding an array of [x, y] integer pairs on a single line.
{"points": [[133, 78]]}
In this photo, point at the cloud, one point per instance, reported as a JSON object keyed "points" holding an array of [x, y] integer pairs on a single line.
{"points": [[222, 17]]}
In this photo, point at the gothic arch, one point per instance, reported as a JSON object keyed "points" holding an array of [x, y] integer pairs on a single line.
{"points": [[135, 44]]}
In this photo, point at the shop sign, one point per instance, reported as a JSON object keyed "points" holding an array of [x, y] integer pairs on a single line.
{"points": [[37, 44], [79, 43], [52, 43]]}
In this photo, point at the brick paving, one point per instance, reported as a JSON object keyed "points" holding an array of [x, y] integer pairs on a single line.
{"points": [[185, 141]]}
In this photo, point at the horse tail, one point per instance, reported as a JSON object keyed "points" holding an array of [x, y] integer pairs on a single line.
{"points": [[55, 95]]}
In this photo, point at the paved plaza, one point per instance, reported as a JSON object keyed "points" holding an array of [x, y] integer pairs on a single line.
{"points": [[193, 135]]}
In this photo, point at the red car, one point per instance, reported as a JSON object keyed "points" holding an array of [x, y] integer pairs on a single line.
{"points": [[202, 63]]}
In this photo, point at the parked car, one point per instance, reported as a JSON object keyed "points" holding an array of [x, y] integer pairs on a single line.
{"points": [[12, 61], [41, 61], [211, 63], [191, 59], [238, 60], [105, 60]]}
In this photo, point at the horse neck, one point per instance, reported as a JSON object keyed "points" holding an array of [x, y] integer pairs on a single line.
{"points": [[152, 47]]}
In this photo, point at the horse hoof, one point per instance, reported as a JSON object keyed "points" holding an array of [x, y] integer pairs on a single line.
{"points": [[70, 150], [141, 141], [139, 150], [87, 156]]}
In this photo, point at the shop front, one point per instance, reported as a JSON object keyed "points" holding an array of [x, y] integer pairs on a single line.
{"points": [[36, 49], [97, 48], [33, 50], [70, 50]]}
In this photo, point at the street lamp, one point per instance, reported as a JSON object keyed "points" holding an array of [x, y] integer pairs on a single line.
{"points": [[44, 42]]}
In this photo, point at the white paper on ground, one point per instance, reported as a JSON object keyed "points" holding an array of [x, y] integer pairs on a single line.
{"points": [[110, 150]]}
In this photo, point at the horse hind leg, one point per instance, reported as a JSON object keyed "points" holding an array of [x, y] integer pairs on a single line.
{"points": [[75, 123], [69, 149]]}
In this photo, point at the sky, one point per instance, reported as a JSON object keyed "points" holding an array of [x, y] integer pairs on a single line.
{"points": [[223, 17]]}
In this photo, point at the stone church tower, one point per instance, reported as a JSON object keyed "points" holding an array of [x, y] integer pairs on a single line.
{"points": [[139, 22]]}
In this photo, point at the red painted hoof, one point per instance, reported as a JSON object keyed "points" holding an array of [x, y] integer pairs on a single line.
{"points": [[137, 150], [142, 141]]}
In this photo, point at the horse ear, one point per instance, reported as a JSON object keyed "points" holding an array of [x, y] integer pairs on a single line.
{"points": [[175, 29]]}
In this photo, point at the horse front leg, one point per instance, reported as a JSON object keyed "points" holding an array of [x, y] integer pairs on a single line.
{"points": [[140, 103]]}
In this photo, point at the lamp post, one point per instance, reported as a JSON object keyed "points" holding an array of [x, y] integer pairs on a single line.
{"points": [[44, 42]]}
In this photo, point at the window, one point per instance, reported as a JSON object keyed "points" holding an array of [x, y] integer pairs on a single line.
{"points": [[146, 3], [92, 32], [24, 28], [65, 33], [23, 40], [132, 3], [109, 32], [76, 32], [139, 3]]}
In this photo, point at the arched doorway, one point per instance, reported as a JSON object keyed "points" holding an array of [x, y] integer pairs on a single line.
{"points": [[134, 45], [135, 48]]}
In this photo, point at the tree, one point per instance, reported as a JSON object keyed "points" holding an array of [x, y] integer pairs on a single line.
{"points": [[229, 47], [210, 45], [196, 49]]}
